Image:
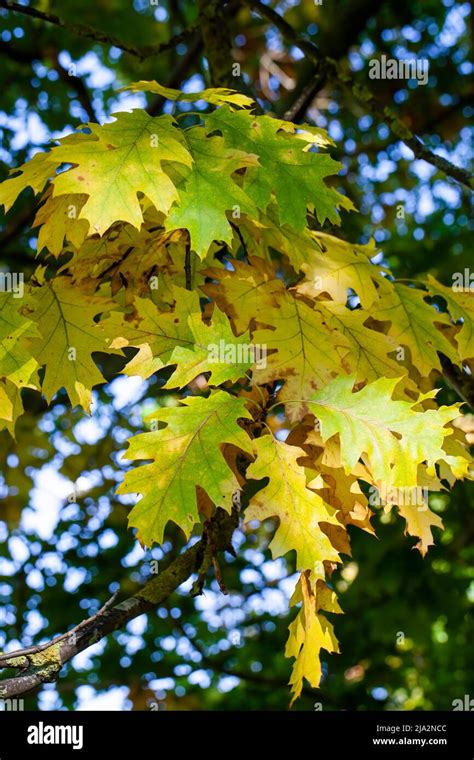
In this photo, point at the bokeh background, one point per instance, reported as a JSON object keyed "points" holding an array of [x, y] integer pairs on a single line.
{"points": [[407, 634]]}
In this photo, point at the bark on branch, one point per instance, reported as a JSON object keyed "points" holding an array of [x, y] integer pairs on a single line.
{"points": [[89, 33], [217, 41], [43, 663], [458, 380]]}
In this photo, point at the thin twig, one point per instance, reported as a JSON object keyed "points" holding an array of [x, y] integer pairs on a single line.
{"points": [[237, 229], [332, 70], [187, 266], [78, 85], [297, 109], [7, 657], [89, 33], [37, 668]]}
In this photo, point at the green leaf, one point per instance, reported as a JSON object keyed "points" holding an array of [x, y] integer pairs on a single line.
{"points": [[181, 337], [295, 176], [210, 192], [395, 438], [185, 454], [215, 349], [118, 161], [216, 95]]}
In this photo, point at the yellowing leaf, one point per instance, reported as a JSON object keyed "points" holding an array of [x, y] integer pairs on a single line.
{"points": [[154, 332], [339, 267], [34, 173], [267, 234], [395, 438], [369, 355], [307, 353], [65, 321], [309, 633], [118, 161], [16, 362], [216, 95], [246, 293], [58, 220], [185, 454], [413, 324], [299, 510], [181, 337], [420, 519], [11, 406], [460, 306]]}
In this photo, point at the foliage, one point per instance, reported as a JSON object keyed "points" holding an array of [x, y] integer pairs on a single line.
{"points": [[286, 369], [151, 174]]}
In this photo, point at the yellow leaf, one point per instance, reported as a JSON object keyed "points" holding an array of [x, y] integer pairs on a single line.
{"points": [[215, 95], [419, 521], [299, 510], [461, 307], [247, 292], [16, 362], [413, 323], [11, 406], [118, 161], [68, 336], [369, 355], [58, 220], [34, 173], [309, 633], [306, 353], [340, 266]]}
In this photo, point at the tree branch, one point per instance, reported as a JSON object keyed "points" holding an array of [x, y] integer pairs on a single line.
{"points": [[187, 267], [217, 40], [178, 74], [330, 69], [459, 381], [299, 107], [43, 663], [78, 85], [89, 33], [32, 54], [13, 229], [19, 56]]}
